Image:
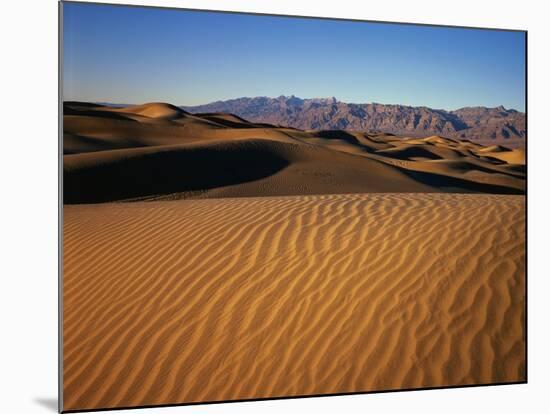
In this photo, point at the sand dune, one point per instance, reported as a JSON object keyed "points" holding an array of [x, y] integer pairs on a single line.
{"points": [[160, 151], [157, 110], [203, 300], [257, 261], [516, 156], [230, 168]]}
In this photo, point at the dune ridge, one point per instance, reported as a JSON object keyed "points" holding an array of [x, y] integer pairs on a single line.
{"points": [[238, 298], [157, 150]]}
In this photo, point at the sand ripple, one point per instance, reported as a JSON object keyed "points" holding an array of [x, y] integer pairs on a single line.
{"points": [[202, 300]]}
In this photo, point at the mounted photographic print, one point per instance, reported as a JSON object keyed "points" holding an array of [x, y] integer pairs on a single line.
{"points": [[261, 206]]}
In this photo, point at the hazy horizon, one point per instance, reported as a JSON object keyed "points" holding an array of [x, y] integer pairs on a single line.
{"points": [[132, 55]]}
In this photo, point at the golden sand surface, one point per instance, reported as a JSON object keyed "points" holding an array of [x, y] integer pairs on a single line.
{"points": [[239, 298]]}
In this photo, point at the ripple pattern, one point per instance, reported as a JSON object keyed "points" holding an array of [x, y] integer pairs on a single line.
{"points": [[240, 298]]}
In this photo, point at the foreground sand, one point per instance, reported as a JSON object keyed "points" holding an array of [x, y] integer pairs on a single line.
{"points": [[202, 300]]}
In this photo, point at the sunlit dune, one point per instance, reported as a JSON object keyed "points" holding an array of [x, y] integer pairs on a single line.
{"points": [[203, 300]]}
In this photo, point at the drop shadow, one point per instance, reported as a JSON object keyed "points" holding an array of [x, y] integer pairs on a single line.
{"points": [[49, 403]]}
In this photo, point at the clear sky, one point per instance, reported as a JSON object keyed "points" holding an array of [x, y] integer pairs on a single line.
{"points": [[135, 55]]}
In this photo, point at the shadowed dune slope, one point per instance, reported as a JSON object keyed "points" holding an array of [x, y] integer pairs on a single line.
{"points": [[226, 169], [160, 151], [152, 171], [240, 298]]}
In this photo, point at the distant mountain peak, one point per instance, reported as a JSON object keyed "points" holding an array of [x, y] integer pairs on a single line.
{"points": [[330, 100]]}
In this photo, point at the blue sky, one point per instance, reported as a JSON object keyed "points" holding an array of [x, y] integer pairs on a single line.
{"points": [[135, 55]]}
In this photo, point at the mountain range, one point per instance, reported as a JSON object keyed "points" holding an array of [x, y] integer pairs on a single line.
{"points": [[481, 124]]}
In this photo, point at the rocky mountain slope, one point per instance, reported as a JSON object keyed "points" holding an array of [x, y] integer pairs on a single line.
{"points": [[485, 125]]}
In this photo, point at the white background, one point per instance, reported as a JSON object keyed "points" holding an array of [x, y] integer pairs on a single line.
{"points": [[28, 204]]}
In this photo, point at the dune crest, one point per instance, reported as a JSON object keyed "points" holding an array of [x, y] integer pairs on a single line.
{"points": [[158, 110]]}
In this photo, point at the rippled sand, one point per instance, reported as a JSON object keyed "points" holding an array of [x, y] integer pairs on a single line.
{"points": [[238, 298]]}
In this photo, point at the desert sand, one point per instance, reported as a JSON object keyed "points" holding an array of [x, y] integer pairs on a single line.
{"points": [[157, 151], [207, 258], [203, 300]]}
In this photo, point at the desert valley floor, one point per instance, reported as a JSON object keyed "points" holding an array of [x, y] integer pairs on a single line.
{"points": [[206, 258]]}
